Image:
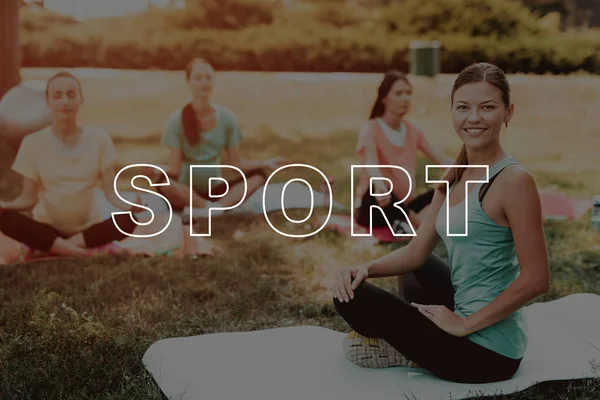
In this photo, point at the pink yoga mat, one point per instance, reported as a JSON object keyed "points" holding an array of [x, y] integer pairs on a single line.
{"points": [[175, 241], [561, 206], [555, 205]]}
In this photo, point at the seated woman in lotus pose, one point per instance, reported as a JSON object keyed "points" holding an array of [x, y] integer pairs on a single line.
{"points": [[388, 138], [63, 168], [463, 321], [197, 134]]}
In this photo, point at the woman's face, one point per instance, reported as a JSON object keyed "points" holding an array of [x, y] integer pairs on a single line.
{"points": [[201, 80], [64, 98], [397, 101], [478, 113]]}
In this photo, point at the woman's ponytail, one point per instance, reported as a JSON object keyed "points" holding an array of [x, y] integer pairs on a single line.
{"points": [[454, 174]]}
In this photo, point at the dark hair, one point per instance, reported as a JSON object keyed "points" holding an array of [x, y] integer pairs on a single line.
{"points": [[389, 78], [63, 74], [190, 66], [476, 72], [191, 125]]}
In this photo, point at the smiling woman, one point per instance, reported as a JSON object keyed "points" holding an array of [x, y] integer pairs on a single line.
{"points": [[461, 321], [478, 113]]}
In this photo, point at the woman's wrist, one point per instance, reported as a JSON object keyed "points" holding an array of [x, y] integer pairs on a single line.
{"points": [[370, 266], [468, 326]]}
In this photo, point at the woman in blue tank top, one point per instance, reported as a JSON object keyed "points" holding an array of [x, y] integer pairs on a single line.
{"points": [[463, 320]]}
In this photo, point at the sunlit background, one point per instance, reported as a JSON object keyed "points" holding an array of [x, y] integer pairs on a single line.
{"points": [[85, 9]]}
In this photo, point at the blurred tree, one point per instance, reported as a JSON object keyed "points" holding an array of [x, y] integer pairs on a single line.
{"points": [[10, 76], [233, 14], [583, 13], [574, 13], [543, 7], [9, 45]]}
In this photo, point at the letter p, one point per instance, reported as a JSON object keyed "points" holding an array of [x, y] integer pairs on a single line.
{"points": [[216, 195]]}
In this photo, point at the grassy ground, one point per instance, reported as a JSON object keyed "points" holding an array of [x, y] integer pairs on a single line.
{"points": [[78, 329]]}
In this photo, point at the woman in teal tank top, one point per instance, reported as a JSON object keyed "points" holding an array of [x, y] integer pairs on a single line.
{"points": [[463, 320], [197, 135]]}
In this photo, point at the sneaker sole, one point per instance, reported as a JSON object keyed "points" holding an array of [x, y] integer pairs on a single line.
{"points": [[373, 353]]}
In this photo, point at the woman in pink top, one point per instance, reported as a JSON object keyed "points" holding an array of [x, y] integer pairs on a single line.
{"points": [[63, 168], [388, 139]]}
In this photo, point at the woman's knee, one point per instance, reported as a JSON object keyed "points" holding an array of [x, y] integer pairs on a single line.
{"points": [[177, 193], [344, 307], [358, 312], [11, 222], [7, 217], [256, 181]]}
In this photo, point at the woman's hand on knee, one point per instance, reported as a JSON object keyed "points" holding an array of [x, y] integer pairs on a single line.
{"points": [[346, 279]]}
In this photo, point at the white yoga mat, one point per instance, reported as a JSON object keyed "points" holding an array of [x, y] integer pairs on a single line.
{"points": [[296, 196], [308, 363]]}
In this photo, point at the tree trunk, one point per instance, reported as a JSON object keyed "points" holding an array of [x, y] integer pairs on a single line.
{"points": [[9, 45], [10, 53]]}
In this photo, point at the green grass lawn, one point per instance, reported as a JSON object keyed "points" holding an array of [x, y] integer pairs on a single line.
{"points": [[78, 329]]}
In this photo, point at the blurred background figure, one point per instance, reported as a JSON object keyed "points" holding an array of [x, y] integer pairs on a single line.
{"points": [[388, 138]]}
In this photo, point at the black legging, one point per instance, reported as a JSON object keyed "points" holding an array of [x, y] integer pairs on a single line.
{"points": [[376, 313], [392, 213], [41, 236]]}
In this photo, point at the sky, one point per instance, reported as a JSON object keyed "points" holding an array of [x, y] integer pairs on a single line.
{"points": [[84, 9]]}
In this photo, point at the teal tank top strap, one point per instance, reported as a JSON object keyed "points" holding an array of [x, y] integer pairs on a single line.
{"points": [[493, 173], [500, 165]]}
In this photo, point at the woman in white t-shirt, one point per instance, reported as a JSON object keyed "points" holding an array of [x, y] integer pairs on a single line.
{"points": [[63, 168]]}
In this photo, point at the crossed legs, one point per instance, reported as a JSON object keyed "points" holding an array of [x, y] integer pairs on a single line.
{"points": [[43, 237], [376, 313], [178, 193]]}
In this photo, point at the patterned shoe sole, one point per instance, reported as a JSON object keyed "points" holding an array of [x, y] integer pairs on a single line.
{"points": [[373, 352]]}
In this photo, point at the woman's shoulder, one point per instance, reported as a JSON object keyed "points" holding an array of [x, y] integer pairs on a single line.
{"points": [[173, 122], [412, 125], [366, 131], [516, 172], [369, 126], [95, 131], [39, 134], [96, 135], [227, 113], [39, 139], [175, 115], [517, 181]]}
